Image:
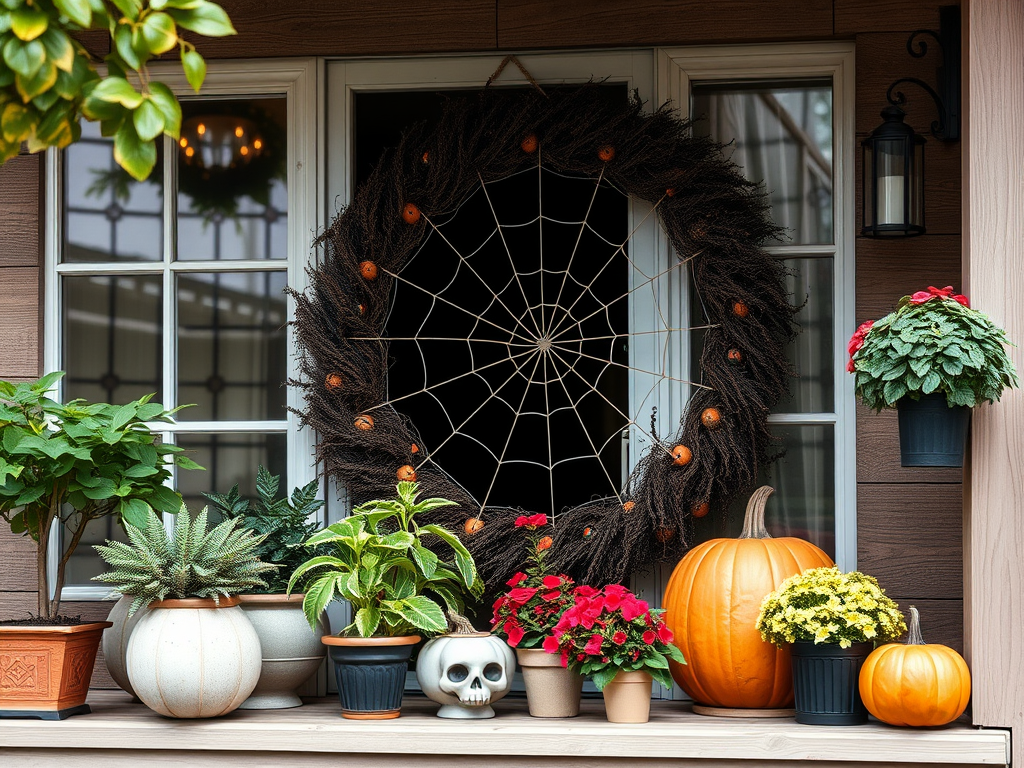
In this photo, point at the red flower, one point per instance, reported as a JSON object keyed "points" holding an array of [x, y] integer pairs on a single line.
{"points": [[519, 578], [544, 543], [532, 522], [857, 341], [616, 589], [650, 637], [959, 298], [565, 657], [612, 601], [619, 637], [604, 659], [922, 297], [581, 656], [549, 596], [632, 609], [593, 647], [552, 582], [521, 594], [585, 591], [551, 644], [515, 634], [664, 633]]}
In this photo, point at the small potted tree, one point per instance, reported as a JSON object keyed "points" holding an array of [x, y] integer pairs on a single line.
{"points": [[933, 359], [621, 644], [194, 654], [61, 467], [379, 561], [291, 651]]}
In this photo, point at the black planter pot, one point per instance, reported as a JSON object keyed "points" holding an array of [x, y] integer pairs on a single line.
{"points": [[371, 674], [825, 683], [931, 433]]}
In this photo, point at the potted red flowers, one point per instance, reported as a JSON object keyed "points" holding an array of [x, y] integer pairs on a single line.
{"points": [[526, 614], [617, 641]]}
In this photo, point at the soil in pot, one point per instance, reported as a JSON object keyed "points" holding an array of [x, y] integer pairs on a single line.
{"points": [[371, 674]]}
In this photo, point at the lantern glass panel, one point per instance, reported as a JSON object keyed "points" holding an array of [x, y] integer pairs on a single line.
{"points": [[891, 181]]}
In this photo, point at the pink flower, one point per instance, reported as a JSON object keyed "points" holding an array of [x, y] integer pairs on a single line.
{"points": [[612, 601], [549, 596], [521, 594], [593, 647], [551, 644], [619, 637], [565, 657], [616, 589], [857, 341], [515, 634], [632, 609], [665, 634], [585, 591], [650, 637], [519, 578], [552, 582]]}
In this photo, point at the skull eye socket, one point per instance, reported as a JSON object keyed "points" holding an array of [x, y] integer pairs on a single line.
{"points": [[457, 673], [493, 672]]}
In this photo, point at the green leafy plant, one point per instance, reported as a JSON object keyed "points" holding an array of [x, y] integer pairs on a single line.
{"points": [[825, 605], [933, 342], [75, 463], [283, 525], [49, 82], [380, 563], [217, 563]]}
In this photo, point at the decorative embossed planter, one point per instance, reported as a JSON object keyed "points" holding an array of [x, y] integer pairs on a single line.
{"points": [[45, 671], [371, 674], [291, 650]]}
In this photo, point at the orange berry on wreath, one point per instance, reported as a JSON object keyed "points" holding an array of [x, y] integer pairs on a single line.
{"points": [[681, 455], [700, 510], [333, 381], [665, 534], [406, 473], [606, 153], [529, 144], [711, 418], [734, 356], [544, 543], [414, 448], [473, 525], [740, 309], [364, 422], [362, 309], [670, 192], [410, 213], [368, 270], [426, 157], [588, 532], [628, 506]]}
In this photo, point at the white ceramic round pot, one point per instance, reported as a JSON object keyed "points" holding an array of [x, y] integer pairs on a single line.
{"points": [[291, 650], [115, 642], [466, 673], [191, 658]]}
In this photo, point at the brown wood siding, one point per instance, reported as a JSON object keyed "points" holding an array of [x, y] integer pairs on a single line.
{"points": [[909, 518]]}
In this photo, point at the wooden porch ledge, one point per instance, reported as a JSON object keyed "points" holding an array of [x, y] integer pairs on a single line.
{"points": [[316, 734]]}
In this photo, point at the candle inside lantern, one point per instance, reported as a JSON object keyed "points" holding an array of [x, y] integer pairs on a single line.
{"points": [[890, 200]]}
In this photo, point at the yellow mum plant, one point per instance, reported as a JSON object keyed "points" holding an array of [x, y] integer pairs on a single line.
{"points": [[825, 605]]}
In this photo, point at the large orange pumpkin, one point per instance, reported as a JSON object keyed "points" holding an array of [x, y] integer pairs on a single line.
{"points": [[915, 684], [712, 602]]}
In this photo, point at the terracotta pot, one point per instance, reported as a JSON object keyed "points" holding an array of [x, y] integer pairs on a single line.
{"points": [[193, 658], [45, 671], [115, 642], [627, 698], [551, 689], [291, 650], [371, 674]]}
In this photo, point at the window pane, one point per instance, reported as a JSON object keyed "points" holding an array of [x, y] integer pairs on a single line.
{"points": [[780, 134], [809, 283], [231, 345], [84, 563], [112, 337], [232, 180], [804, 500], [230, 459], [108, 215]]}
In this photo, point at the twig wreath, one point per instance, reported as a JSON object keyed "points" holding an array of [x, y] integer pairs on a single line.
{"points": [[716, 221]]}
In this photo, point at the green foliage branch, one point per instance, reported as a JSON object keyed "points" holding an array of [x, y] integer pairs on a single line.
{"points": [[49, 82], [283, 524], [939, 345], [380, 563], [77, 462], [196, 562]]}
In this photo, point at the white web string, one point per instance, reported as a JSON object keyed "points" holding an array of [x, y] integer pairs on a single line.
{"points": [[549, 349]]}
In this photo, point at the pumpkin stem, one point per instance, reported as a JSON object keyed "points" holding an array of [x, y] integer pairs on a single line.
{"points": [[753, 520], [459, 624], [915, 637]]}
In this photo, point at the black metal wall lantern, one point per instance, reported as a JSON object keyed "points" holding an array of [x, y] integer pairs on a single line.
{"points": [[894, 154]]}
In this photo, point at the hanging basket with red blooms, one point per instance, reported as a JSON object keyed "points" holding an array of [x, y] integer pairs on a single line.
{"points": [[530, 609], [934, 342], [609, 631]]}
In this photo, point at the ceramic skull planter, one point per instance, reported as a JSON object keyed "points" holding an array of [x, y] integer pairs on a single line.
{"points": [[465, 672]]}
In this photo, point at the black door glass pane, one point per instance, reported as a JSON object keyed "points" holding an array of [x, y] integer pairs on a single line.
{"points": [[230, 458]]}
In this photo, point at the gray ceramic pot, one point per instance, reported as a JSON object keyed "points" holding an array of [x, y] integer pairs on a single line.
{"points": [[291, 651], [115, 642]]}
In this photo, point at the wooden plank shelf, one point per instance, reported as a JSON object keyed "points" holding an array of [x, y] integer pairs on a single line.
{"points": [[118, 730]]}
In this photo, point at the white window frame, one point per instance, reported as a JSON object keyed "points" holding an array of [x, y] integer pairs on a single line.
{"points": [[297, 80], [677, 68]]}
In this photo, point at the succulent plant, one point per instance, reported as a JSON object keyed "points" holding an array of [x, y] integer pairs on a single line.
{"points": [[195, 563]]}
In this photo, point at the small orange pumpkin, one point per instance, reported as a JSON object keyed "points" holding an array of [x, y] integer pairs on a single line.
{"points": [[588, 532], [712, 602], [606, 153], [670, 192], [368, 270], [362, 309], [472, 525], [711, 418], [406, 473], [414, 448], [544, 543], [364, 422], [665, 534], [333, 381], [426, 157], [734, 356], [529, 144], [917, 684], [740, 309], [681, 455], [701, 509], [410, 213], [628, 506]]}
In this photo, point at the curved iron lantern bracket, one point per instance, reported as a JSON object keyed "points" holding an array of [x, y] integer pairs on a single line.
{"points": [[947, 94]]}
